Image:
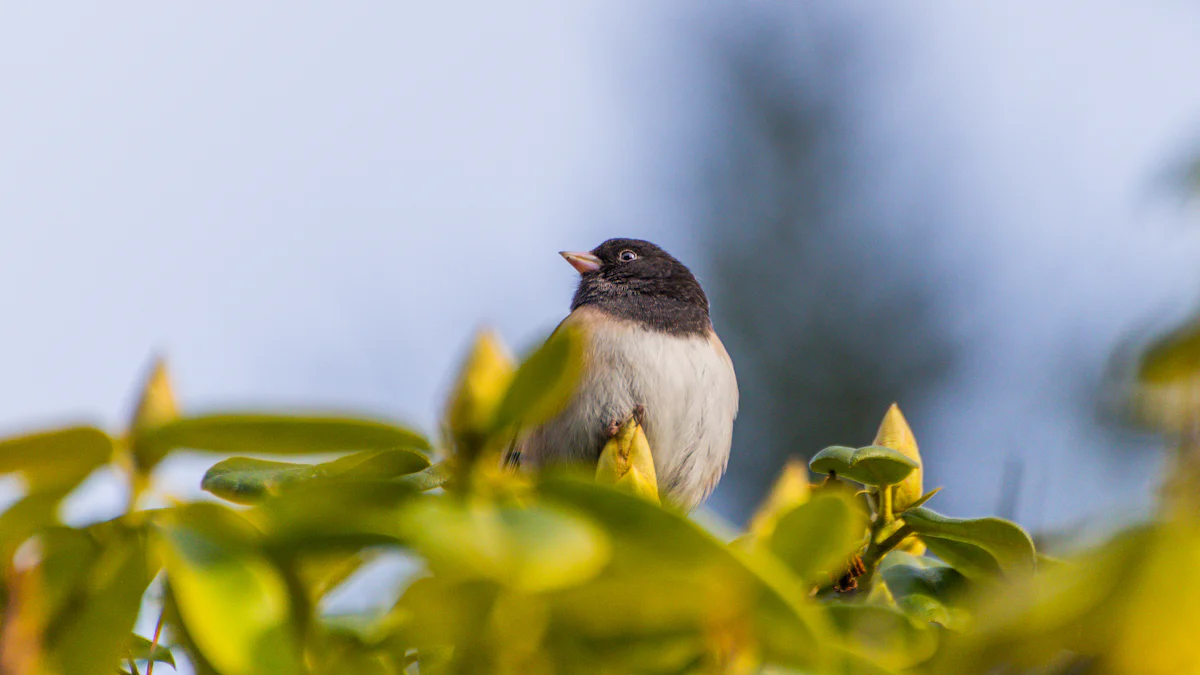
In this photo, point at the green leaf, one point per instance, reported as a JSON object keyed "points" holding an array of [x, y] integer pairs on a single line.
{"points": [[92, 632], [321, 572], [668, 575], [871, 465], [820, 536], [67, 558], [28, 516], [975, 546], [246, 481], [544, 382], [531, 549], [56, 460], [924, 498], [325, 515], [233, 602], [926, 589], [275, 435], [430, 477], [886, 636], [142, 649]]}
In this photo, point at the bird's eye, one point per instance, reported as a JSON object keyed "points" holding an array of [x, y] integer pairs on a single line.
{"points": [[627, 255]]}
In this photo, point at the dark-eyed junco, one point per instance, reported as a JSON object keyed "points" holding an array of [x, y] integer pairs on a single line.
{"points": [[650, 350]]}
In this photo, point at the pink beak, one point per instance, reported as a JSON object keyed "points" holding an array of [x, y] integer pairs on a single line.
{"points": [[582, 262]]}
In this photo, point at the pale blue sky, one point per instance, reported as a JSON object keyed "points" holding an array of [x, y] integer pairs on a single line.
{"points": [[303, 202]]}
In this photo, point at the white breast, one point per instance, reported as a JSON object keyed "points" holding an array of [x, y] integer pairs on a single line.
{"points": [[689, 391]]}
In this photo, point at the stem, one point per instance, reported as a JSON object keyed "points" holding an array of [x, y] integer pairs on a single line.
{"points": [[886, 504], [133, 666], [875, 553], [154, 641]]}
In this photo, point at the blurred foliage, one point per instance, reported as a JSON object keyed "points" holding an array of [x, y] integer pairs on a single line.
{"points": [[555, 573]]}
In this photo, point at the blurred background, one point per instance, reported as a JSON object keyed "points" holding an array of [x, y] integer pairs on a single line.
{"points": [[979, 211]]}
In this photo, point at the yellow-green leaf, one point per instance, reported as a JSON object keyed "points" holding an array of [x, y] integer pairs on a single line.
{"points": [[433, 476], [143, 649], [321, 515], [246, 480], [895, 433], [232, 600], [791, 489], [156, 405], [886, 636], [528, 548], [90, 635], [544, 382], [483, 380], [56, 460], [819, 537], [669, 575], [625, 461], [276, 435]]}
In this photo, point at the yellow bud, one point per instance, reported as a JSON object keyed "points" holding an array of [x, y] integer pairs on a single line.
{"points": [[482, 382], [895, 433], [791, 489], [157, 404], [626, 461]]}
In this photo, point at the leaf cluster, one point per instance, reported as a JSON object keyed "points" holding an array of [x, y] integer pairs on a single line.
{"points": [[583, 572]]}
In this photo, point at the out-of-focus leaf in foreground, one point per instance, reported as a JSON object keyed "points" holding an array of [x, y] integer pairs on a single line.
{"points": [[544, 382], [534, 548], [669, 577], [246, 481], [1129, 606], [58, 459], [233, 602], [275, 434], [790, 490], [817, 538]]}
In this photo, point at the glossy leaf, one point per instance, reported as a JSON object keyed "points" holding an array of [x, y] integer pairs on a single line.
{"points": [[974, 546], [58, 459], [544, 382], [246, 481], [433, 476], [926, 589], [232, 600], [873, 465], [276, 434], [817, 539]]}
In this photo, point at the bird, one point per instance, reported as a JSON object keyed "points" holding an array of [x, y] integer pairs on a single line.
{"points": [[650, 351]]}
